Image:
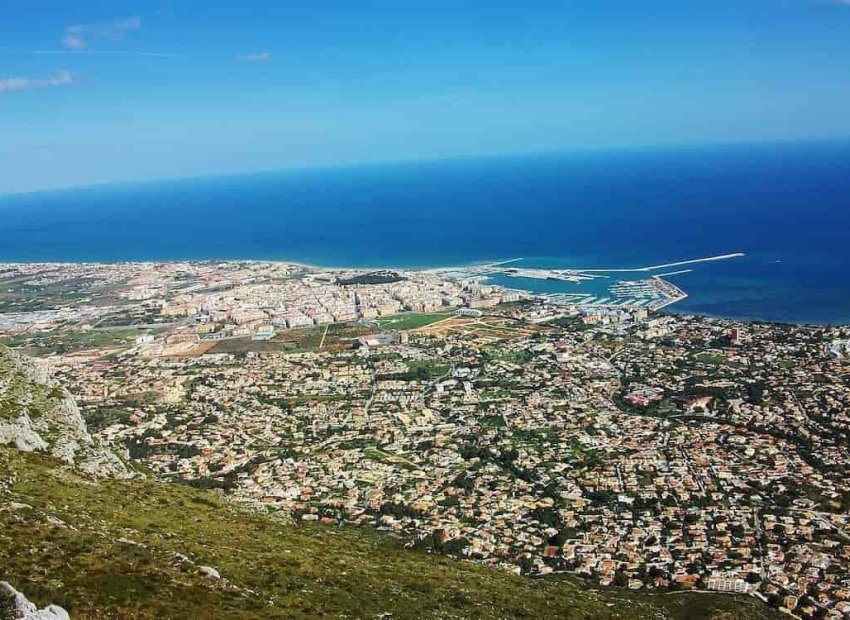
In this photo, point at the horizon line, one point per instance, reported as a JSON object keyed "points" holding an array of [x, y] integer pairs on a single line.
{"points": [[433, 159]]}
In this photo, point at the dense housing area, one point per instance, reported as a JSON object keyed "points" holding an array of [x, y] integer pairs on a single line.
{"points": [[638, 450]]}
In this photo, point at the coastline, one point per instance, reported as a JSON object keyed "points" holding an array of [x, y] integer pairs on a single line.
{"points": [[671, 308], [787, 212]]}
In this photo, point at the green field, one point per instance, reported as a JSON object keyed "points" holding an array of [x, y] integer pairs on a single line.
{"points": [[412, 320], [711, 358], [427, 369], [376, 455]]}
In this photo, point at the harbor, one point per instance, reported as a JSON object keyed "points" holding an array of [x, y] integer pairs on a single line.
{"points": [[654, 292]]}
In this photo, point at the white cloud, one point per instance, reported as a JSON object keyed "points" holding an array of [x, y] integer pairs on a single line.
{"points": [[256, 57], [60, 78], [74, 40], [77, 37]]}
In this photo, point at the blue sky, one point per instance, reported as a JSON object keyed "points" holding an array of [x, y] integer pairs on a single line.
{"points": [[97, 91]]}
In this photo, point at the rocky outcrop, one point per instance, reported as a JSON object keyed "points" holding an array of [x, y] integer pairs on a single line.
{"points": [[39, 415], [15, 605], [209, 572], [20, 433]]}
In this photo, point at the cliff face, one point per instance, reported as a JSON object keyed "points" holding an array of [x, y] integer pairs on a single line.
{"points": [[38, 415]]}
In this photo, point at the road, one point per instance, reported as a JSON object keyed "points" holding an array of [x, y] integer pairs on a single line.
{"points": [[324, 335]]}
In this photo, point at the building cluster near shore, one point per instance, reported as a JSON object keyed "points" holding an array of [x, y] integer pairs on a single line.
{"points": [[633, 448]]}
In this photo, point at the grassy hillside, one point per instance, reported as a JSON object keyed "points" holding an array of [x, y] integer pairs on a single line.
{"points": [[117, 549]]}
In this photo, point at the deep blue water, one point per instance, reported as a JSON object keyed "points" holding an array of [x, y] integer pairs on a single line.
{"points": [[786, 206]]}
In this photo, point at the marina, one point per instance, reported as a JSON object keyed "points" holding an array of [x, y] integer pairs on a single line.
{"points": [[649, 293]]}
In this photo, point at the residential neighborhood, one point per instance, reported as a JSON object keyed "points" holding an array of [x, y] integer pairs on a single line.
{"points": [[637, 449]]}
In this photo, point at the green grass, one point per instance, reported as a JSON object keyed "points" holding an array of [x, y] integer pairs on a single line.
{"points": [[492, 421], [710, 358], [428, 368], [412, 320], [376, 455]]}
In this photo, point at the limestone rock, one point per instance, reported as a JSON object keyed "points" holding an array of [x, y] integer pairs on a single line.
{"points": [[20, 608], [38, 415], [209, 571], [21, 434]]}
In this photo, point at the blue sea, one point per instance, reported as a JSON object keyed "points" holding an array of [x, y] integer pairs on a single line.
{"points": [[786, 206]]}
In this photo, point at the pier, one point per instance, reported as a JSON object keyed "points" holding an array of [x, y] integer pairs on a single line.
{"points": [[680, 263]]}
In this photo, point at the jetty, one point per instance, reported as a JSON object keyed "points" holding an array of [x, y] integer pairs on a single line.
{"points": [[680, 263]]}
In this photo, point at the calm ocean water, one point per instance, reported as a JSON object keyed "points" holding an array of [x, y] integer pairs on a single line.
{"points": [[786, 206]]}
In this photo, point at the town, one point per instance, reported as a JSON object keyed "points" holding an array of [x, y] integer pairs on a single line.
{"points": [[638, 449]]}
